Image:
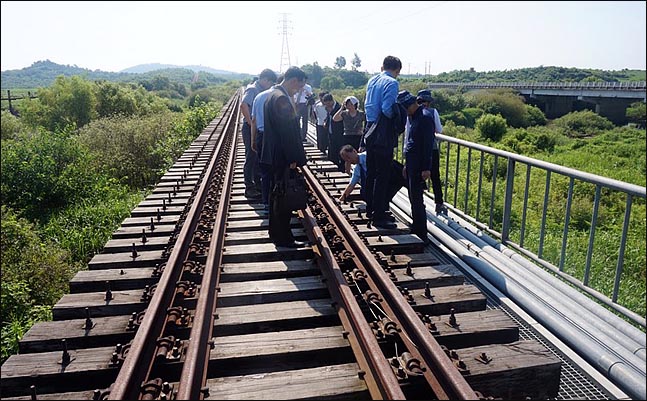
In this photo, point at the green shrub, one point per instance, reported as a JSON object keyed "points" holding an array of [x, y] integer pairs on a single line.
{"points": [[504, 102], [10, 125], [578, 124], [68, 102], [535, 115], [42, 172], [84, 228], [30, 265], [491, 127], [125, 146], [471, 115], [637, 113]]}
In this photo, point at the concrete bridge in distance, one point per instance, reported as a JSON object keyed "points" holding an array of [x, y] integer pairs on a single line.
{"points": [[608, 99]]}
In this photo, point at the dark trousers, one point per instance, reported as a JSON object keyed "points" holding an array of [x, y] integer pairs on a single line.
{"points": [[435, 176], [378, 174], [279, 230], [416, 185], [322, 138], [250, 168], [352, 140], [302, 111], [265, 171], [336, 141], [396, 181]]}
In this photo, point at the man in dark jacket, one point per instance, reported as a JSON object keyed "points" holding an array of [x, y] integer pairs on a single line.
{"points": [[283, 150], [417, 152]]}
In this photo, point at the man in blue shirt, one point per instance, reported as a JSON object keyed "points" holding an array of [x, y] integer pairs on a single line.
{"points": [[417, 152], [250, 169], [380, 138], [258, 129], [396, 180]]}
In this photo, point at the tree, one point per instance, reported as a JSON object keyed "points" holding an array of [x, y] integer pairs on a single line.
{"points": [[491, 126], [637, 113], [340, 62], [68, 102], [314, 72], [331, 82], [357, 62]]}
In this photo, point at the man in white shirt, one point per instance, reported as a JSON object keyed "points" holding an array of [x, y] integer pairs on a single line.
{"points": [[319, 113], [301, 101]]}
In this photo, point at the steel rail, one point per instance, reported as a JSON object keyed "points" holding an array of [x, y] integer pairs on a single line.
{"points": [[379, 377], [138, 363], [194, 371], [446, 381]]}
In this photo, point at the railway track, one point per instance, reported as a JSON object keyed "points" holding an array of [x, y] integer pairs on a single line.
{"points": [[191, 300]]}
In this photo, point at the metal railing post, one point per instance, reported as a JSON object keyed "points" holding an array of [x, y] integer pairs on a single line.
{"points": [[507, 203]]}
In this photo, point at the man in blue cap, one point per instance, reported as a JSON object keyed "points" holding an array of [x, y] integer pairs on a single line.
{"points": [[425, 99], [417, 152]]}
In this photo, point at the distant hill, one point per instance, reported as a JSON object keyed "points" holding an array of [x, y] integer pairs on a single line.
{"points": [[43, 73], [142, 68]]}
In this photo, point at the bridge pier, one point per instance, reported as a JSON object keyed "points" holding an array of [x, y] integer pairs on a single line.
{"points": [[557, 106], [613, 109]]}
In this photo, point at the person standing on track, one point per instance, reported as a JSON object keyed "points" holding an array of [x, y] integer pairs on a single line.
{"points": [[383, 122], [250, 169], [425, 99], [282, 148], [417, 152]]}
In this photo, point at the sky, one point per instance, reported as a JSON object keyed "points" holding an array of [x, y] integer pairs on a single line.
{"points": [[246, 37]]}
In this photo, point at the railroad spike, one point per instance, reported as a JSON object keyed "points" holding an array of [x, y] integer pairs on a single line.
{"points": [[109, 295], [32, 390], [164, 204], [144, 240], [452, 318], [159, 215], [409, 272], [134, 253], [427, 290], [89, 324], [152, 225]]}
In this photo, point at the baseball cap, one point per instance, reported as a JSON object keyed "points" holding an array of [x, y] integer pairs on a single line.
{"points": [[406, 99]]}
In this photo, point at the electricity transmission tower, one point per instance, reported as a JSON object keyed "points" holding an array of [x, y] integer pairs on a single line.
{"points": [[285, 48]]}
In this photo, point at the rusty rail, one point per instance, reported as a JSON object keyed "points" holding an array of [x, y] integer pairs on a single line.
{"points": [[442, 376], [138, 365]]}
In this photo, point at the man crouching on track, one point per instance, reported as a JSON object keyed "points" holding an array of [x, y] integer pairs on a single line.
{"points": [[283, 149]]}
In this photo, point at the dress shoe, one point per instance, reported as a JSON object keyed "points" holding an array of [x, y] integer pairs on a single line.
{"points": [[252, 193], [441, 209], [384, 224]]}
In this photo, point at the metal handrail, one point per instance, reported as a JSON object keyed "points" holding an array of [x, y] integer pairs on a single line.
{"points": [[624, 85], [503, 220]]}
